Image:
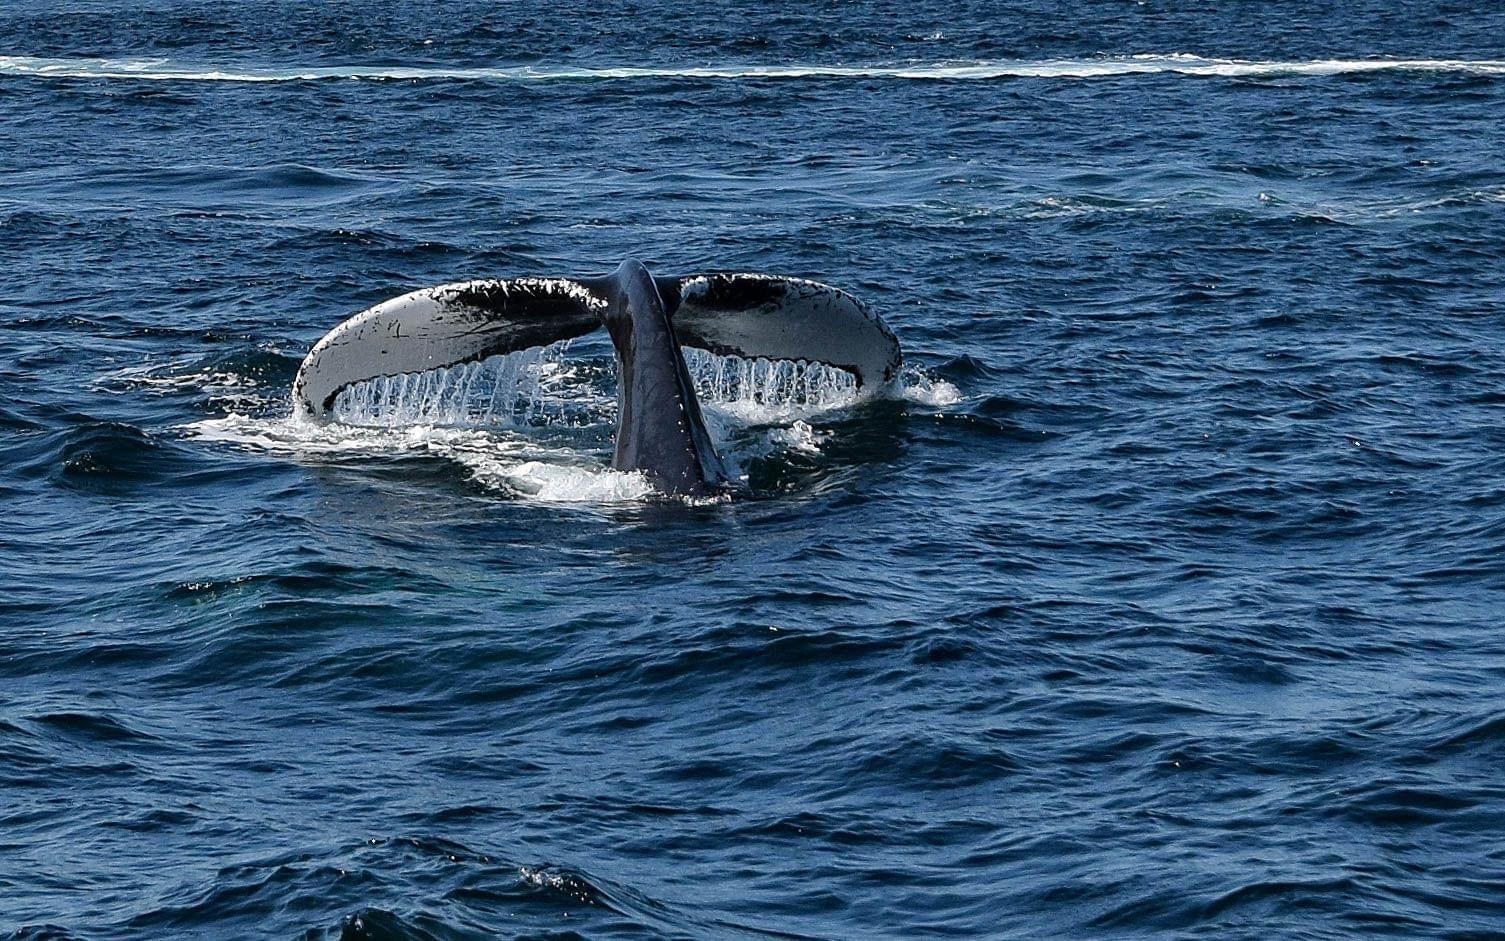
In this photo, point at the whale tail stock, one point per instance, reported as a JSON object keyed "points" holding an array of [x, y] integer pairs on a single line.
{"points": [[660, 431]]}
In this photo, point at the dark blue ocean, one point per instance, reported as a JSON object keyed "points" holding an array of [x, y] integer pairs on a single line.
{"points": [[1162, 597]]}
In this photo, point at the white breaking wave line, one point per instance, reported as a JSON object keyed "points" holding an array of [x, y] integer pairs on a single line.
{"points": [[164, 70]]}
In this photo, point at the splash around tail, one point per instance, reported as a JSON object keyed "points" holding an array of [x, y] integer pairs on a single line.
{"points": [[660, 430]]}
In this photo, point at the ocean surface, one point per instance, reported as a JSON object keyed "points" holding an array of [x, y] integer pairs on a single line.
{"points": [[1161, 597]]}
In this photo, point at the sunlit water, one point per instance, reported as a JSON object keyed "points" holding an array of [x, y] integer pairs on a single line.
{"points": [[1161, 595]]}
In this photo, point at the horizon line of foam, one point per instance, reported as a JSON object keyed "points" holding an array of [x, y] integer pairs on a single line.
{"points": [[164, 70]]}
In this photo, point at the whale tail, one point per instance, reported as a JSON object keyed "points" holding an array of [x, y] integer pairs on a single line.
{"points": [[748, 315], [759, 316], [444, 326]]}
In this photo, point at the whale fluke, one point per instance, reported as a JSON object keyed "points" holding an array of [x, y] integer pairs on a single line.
{"points": [[762, 316], [659, 431], [444, 326]]}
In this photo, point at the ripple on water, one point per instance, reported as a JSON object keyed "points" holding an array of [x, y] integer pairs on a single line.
{"points": [[1159, 597]]}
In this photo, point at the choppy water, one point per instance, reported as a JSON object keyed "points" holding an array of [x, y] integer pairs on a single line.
{"points": [[1164, 598]]}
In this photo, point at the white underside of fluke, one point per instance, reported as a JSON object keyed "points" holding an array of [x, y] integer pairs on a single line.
{"points": [[765, 317], [440, 327]]}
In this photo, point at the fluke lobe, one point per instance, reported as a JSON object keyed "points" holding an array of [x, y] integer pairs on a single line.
{"points": [[660, 432]]}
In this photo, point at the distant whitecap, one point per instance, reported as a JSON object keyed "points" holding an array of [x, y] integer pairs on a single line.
{"points": [[168, 70]]}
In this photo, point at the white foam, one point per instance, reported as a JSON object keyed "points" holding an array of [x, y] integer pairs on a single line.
{"points": [[296, 435], [226, 388], [497, 459], [799, 436], [167, 70], [561, 483], [921, 389]]}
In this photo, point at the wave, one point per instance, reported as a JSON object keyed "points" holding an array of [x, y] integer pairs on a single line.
{"points": [[166, 70]]}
